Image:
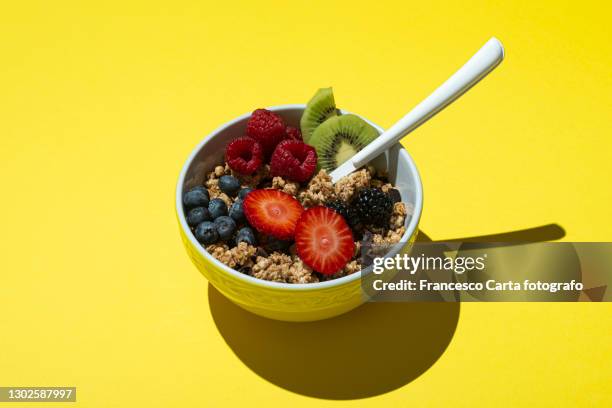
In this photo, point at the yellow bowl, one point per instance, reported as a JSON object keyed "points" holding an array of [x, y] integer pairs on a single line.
{"points": [[284, 301]]}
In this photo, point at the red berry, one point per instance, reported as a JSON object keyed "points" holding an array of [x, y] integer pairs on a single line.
{"points": [[267, 128], [294, 160], [244, 155], [323, 240], [272, 212], [293, 133]]}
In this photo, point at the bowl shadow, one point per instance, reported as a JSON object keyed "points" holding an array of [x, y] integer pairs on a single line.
{"points": [[371, 350]]}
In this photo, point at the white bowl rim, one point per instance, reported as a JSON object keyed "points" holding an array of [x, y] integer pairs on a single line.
{"points": [[414, 221]]}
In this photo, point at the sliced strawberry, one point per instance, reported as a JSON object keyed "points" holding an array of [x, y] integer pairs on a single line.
{"points": [[272, 212], [323, 240]]}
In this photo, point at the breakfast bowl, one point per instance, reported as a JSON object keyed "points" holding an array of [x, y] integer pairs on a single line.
{"points": [[279, 300]]}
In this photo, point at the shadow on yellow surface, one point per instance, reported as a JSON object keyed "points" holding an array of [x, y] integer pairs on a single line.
{"points": [[369, 351], [548, 232]]}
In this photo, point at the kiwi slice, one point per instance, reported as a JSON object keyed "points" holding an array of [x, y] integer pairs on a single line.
{"points": [[339, 138], [321, 107]]}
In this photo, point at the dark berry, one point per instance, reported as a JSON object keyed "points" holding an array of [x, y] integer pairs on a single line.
{"points": [[261, 252], [196, 197], [229, 185], [244, 155], [217, 208], [206, 233], [395, 195], [225, 227], [246, 234], [243, 193], [368, 238], [276, 245], [197, 215], [349, 213], [374, 207], [236, 211]]}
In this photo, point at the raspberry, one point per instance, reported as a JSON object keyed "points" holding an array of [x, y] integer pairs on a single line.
{"points": [[293, 133], [267, 128], [244, 155], [294, 160]]}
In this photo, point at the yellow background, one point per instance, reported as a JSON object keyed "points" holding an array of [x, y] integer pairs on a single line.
{"points": [[101, 104]]}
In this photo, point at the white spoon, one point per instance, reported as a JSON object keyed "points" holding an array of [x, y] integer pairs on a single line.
{"points": [[481, 63]]}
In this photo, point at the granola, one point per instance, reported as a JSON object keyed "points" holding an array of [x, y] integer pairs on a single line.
{"points": [[319, 190], [347, 186], [286, 266], [285, 186], [240, 255], [279, 267], [398, 216]]}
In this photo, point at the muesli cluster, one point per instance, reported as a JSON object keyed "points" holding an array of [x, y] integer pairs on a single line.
{"points": [[271, 210]]}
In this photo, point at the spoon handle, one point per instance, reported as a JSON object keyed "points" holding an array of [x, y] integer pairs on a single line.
{"points": [[481, 63]]}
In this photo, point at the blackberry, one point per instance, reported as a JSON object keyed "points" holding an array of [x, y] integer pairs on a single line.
{"points": [[349, 213], [374, 207]]}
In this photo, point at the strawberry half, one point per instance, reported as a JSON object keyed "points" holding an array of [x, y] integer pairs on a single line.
{"points": [[323, 240], [272, 212]]}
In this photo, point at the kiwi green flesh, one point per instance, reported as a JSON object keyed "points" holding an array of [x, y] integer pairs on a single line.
{"points": [[321, 107], [339, 138]]}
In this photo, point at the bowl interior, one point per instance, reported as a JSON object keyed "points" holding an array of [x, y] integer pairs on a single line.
{"points": [[210, 153]]}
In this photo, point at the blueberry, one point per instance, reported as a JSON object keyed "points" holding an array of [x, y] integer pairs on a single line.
{"points": [[196, 197], [217, 208], [225, 227], [246, 234], [229, 185], [206, 233], [197, 215], [243, 193], [237, 211]]}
